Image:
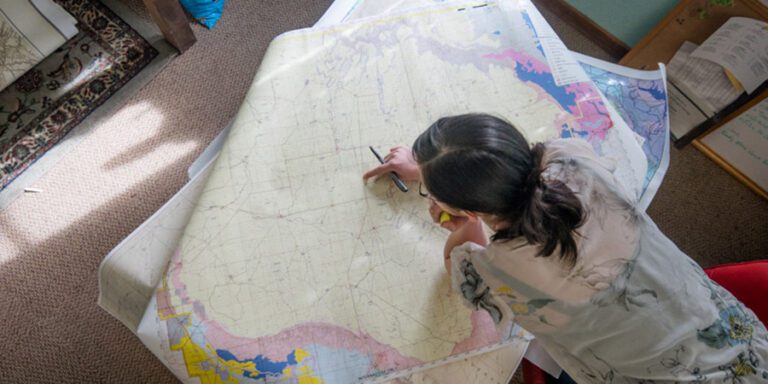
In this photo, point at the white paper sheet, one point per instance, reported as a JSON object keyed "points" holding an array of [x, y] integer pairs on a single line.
{"points": [[743, 143], [565, 70], [57, 16], [686, 111], [642, 97], [741, 46], [129, 274], [704, 78]]}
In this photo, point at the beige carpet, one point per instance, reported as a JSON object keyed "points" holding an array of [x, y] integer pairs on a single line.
{"points": [[51, 243]]}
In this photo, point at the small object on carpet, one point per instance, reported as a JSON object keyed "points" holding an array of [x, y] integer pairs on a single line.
{"points": [[206, 12]]}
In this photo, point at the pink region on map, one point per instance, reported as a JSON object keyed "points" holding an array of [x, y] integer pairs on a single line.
{"points": [[277, 347], [175, 267], [483, 333], [583, 91], [529, 63], [590, 116], [595, 119]]}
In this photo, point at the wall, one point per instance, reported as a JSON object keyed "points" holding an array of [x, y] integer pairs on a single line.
{"points": [[629, 20]]}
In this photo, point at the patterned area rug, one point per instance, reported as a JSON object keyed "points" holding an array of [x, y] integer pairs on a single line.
{"points": [[49, 100]]}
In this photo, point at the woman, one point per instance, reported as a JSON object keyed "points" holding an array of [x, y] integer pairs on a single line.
{"points": [[574, 261]]}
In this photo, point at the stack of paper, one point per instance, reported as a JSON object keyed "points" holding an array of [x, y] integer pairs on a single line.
{"points": [[708, 78]]}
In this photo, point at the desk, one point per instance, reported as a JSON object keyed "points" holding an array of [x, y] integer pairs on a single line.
{"points": [[172, 21], [683, 23]]}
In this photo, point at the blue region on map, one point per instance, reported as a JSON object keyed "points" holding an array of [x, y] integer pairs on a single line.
{"points": [[567, 133], [264, 366], [546, 81], [529, 23], [643, 105]]}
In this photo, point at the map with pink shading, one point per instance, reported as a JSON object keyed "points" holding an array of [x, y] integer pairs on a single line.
{"points": [[586, 117], [292, 270], [272, 356]]}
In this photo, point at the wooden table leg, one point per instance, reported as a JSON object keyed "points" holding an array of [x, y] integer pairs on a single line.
{"points": [[170, 17]]}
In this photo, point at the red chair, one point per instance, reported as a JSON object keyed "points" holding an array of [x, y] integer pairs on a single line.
{"points": [[748, 281], [533, 374]]}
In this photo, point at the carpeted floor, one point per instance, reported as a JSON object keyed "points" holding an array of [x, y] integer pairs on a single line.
{"points": [[69, 78], [62, 90], [51, 243]]}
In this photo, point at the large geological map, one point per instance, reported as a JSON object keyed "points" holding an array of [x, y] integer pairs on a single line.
{"points": [[291, 269]]}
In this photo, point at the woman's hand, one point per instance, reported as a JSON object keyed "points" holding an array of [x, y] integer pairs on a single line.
{"points": [[399, 160], [453, 224], [470, 230]]}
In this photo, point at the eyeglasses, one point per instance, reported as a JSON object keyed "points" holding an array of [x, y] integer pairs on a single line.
{"points": [[445, 208], [422, 192]]}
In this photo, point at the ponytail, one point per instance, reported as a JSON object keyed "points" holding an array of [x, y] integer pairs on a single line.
{"points": [[550, 216]]}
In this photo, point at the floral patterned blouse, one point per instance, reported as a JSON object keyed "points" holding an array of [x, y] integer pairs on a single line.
{"points": [[633, 308]]}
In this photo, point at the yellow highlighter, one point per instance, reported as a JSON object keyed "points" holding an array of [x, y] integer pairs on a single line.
{"points": [[445, 217]]}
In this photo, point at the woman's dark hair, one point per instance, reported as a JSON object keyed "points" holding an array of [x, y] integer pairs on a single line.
{"points": [[481, 163]]}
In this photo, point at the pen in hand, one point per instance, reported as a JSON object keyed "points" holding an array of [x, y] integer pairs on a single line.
{"points": [[392, 175]]}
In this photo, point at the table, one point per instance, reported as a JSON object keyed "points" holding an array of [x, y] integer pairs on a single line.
{"points": [[173, 22]]}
